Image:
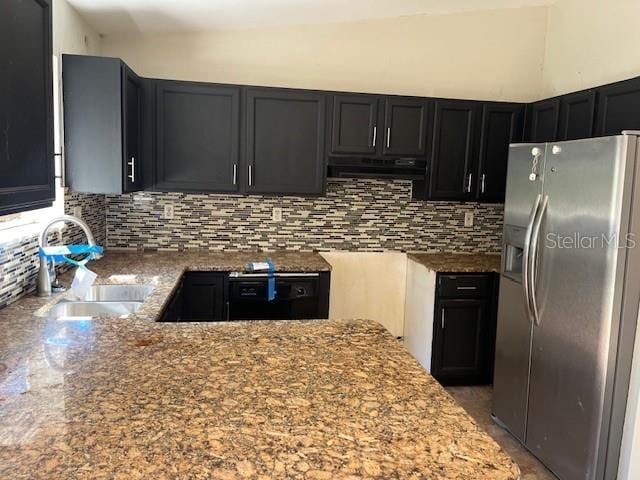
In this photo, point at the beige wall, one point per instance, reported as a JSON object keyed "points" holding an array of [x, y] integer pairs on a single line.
{"points": [[71, 34], [419, 312], [590, 43], [493, 55], [368, 285]]}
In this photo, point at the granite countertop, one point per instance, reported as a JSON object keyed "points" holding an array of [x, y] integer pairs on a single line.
{"points": [[132, 398], [458, 262]]}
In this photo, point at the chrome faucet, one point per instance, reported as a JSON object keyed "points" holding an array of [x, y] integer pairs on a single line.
{"points": [[46, 276]]}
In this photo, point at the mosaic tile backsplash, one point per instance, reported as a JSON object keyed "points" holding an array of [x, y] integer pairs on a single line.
{"points": [[371, 215], [19, 260]]}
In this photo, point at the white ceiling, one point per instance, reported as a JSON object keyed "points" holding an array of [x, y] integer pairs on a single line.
{"points": [[133, 16]]}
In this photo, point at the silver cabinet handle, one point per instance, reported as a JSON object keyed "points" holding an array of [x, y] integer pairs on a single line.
{"points": [[466, 288], [235, 174], [375, 135], [132, 164], [388, 137], [250, 175], [482, 187], [442, 319], [469, 182]]}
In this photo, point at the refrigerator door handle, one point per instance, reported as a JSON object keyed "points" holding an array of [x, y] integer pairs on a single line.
{"points": [[526, 253], [533, 260]]}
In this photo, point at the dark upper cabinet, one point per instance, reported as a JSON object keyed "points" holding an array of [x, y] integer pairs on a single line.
{"points": [[618, 107], [405, 126], [285, 131], [103, 117], [577, 115], [542, 121], [355, 125], [132, 120], [197, 137], [454, 150], [27, 178], [502, 124]]}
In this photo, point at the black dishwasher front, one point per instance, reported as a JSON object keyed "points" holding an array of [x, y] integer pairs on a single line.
{"points": [[297, 296]]}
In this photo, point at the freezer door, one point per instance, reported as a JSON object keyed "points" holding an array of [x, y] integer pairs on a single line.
{"points": [[511, 372], [525, 176], [577, 298], [513, 340]]}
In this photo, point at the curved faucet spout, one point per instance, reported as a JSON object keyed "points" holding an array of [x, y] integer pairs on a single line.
{"points": [[44, 275]]}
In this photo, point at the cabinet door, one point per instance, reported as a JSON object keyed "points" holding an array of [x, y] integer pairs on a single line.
{"points": [[197, 137], [26, 106], [203, 296], [502, 124], [542, 121], [355, 125], [132, 127], [285, 142], [454, 150], [618, 107], [577, 111], [461, 344], [405, 124]]}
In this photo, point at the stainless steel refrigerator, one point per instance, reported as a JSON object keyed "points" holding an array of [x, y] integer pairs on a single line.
{"points": [[569, 293]]}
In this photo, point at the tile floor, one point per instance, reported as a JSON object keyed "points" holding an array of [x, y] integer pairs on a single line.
{"points": [[477, 402]]}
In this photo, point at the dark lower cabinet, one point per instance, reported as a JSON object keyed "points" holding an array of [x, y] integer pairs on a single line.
{"points": [[454, 150], [199, 297], [285, 142], [577, 115], [27, 178], [541, 124], [464, 329], [460, 341], [502, 124], [618, 107], [103, 119], [197, 137], [203, 296]]}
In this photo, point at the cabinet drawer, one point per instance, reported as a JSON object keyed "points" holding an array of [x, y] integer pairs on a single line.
{"points": [[463, 286]]}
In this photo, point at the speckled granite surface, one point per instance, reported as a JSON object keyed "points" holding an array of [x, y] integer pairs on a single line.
{"points": [[458, 262], [130, 398]]}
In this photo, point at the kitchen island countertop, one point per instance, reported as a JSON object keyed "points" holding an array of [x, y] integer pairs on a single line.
{"points": [[132, 398]]}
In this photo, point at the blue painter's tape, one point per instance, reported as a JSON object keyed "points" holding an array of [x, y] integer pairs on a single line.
{"points": [[271, 281], [58, 253]]}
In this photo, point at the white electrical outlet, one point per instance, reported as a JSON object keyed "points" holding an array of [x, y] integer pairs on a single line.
{"points": [[468, 219], [168, 211], [277, 214], [77, 212]]}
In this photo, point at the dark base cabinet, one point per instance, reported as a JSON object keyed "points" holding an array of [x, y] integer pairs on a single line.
{"points": [[464, 329], [220, 296], [199, 297]]}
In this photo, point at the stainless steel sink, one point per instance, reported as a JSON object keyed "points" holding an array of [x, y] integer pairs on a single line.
{"points": [[92, 309], [118, 293]]}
